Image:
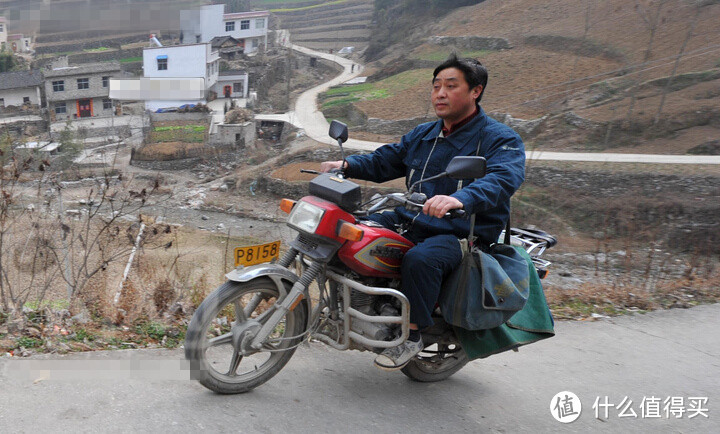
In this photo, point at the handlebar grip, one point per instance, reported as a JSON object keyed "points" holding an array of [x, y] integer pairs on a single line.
{"points": [[455, 213]]}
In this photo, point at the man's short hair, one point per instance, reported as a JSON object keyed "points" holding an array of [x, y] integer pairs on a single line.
{"points": [[474, 71]]}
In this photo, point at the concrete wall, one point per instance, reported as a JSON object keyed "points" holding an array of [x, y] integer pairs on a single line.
{"points": [[15, 96], [230, 80], [183, 61], [159, 117], [227, 135], [71, 92], [72, 112]]}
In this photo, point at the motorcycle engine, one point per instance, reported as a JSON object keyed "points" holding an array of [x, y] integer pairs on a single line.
{"points": [[373, 305]]}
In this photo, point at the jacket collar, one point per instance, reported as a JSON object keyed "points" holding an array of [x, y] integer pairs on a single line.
{"points": [[461, 137]]}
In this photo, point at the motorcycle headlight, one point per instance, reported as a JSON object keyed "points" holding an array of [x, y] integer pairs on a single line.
{"points": [[306, 217]]}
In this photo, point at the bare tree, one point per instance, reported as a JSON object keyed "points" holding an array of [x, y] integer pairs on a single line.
{"points": [[668, 82]]}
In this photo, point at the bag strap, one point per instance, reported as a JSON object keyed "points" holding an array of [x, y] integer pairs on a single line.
{"points": [[472, 217]]}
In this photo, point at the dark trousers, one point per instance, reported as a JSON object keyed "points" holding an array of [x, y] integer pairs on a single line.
{"points": [[423, 267]]}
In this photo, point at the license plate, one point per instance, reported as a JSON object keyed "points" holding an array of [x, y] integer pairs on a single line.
{"points": [[252, 255]]}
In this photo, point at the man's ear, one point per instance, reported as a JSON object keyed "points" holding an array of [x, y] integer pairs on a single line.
{"points": [[477, 90]]}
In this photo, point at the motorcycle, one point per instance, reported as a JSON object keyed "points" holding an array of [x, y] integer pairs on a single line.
{"points": [[338, 283]]}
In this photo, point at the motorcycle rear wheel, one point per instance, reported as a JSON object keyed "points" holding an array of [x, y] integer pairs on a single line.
{"points": [[436, 363], [209, 347]]}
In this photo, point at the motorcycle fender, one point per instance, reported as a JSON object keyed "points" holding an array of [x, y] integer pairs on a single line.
{"points": [[276, 273]]}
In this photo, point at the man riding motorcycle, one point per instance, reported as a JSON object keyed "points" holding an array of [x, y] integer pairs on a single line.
{"points": [[463, 129]]}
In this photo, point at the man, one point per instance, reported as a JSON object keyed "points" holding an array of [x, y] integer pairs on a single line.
{"points": [[463, 129]]}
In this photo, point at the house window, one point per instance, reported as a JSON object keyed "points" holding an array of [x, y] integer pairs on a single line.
{"points": [[107, 104], [237, 87], [230, 26], [27, 44], [58, 86], [2, 102], [26, 99], [60, 108], [260, 23], [197, 38], [244, 24], [106, 81], [1, 28], [83, 83], [162, 63], [255, 43]]}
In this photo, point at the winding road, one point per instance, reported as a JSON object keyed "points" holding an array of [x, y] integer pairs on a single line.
{"points": [[307, 117]]}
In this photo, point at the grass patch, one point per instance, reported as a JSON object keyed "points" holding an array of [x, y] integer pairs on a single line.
{"points": [[179, 133], [304, 8], [130, 59], [96, 50], [27, 342], [390, 86]]}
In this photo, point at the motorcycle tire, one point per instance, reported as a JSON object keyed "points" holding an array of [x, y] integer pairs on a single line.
{"points": [[209, 348], [436, 364]]}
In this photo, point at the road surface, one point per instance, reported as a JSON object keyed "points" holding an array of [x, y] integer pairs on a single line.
{"points": [[659, 355]]}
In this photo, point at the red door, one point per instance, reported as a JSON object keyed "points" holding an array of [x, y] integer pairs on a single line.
{"points": [[84, 108], [227, 91]]}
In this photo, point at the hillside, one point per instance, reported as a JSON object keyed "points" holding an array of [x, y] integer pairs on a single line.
{"points": [[596, 70]]}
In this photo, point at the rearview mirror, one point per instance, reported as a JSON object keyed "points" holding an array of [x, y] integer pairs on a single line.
{"points": [[466, 167], [338, 131]]}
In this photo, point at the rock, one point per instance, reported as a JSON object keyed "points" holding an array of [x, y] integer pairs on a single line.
{"points": [[204, 217], [15, 327], [221, 227], [32, 331], [63, 313], [63, 347], [223, 188], [81, 318]]}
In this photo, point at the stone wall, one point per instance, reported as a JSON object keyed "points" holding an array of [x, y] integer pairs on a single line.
{"points": [[226, 135], [190, 116], [471, 42], [394, 127]]}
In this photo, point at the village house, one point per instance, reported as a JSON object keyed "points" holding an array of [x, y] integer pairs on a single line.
{"points": [[19, 88], [182, 62], [16, 43], [232, 84], [79, 91], [210, 21], [227, 46]]}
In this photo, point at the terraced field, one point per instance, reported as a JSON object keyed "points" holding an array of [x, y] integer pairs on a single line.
{"points": [[323, 25]]}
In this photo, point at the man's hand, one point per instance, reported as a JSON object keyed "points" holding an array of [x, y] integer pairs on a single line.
{"points": [[438, 206], [327, 166]]}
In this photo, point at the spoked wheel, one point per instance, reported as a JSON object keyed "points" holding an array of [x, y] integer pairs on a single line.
{"points": [[436, 363], [217, 343]]}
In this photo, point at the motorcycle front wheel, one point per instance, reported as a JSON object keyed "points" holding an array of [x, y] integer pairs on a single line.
{"points": [[436, 363], [232, 313]]}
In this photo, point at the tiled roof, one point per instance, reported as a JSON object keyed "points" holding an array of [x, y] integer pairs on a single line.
{"points": [[219, 40], [89, 68], [20, 79]]}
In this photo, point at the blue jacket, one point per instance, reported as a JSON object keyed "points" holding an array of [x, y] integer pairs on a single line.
{"points": [[422, 150]]}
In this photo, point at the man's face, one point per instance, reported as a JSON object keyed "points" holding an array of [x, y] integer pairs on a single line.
{"points": [[451, 96]]}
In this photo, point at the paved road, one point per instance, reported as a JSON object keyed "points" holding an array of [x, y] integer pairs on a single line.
{"points": [[307, 116], [663, 354]]}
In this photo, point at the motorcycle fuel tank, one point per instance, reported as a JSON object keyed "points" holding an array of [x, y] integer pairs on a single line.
{"points": [[379, 253]]}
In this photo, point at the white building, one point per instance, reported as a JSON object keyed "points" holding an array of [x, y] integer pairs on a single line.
{"points": [[232, 84], [181, 61], [20, 87], [3, 33], [210, 21]]}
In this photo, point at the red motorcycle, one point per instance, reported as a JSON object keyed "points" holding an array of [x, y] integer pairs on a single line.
{"points": [[337, 283]]}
